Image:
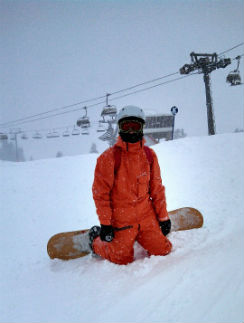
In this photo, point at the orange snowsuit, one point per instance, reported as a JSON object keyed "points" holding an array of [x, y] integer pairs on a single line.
{"points": [[132, 201]]}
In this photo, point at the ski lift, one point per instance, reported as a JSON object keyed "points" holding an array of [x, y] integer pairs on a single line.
{"points": [[84, 121], [100, 127], [24, 136], [37, 135], [3, 136], [66, 133], [12, 135], [234, 77], [53, 134], [85, 131], [109, 110], [75, 132]]}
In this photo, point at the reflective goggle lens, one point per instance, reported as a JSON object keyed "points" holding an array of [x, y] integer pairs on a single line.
{"points": [[131, 125]]}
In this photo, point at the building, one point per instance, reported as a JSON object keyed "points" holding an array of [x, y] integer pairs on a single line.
{"points": [[159, 126]]}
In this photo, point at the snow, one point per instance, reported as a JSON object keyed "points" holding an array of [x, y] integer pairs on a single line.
{"points": [[200, 281]]}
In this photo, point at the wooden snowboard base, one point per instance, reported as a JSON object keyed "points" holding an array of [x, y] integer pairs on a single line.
{"points": [[69, 245]]}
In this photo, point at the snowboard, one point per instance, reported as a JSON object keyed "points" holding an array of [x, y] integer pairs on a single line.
{"points": [[75, 244]]}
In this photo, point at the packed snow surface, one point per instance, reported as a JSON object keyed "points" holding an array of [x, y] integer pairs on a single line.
{"points": [[201, 280]]}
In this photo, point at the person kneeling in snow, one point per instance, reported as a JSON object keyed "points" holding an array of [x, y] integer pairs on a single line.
{"points": [[129, 195]]}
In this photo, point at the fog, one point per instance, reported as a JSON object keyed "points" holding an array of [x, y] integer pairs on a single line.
{"points": [[56, 54]]}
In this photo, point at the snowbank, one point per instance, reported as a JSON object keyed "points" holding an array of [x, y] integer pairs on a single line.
{"points": [[200, 281]]}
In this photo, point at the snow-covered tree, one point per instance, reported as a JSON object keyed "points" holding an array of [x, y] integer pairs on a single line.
{"points": [[238, 130], [8, 151], [59, 154], [179, 133], [93, 149]]}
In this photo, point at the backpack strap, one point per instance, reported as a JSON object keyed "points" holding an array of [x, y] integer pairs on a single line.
{"points": [[117, 157], [149, 155]]}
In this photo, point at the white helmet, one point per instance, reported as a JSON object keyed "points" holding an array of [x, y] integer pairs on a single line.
{"points": [[131, 111]]}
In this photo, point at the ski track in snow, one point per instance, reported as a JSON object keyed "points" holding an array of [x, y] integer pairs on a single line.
{"points": [[200, 281]]}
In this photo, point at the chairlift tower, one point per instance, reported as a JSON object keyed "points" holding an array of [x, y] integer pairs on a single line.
{"points": [[206, 63], [14, 136]]}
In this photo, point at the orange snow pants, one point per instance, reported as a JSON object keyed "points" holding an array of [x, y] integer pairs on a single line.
{"points": [[120, 251]]}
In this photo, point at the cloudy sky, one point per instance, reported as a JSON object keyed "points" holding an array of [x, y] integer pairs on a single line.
{"points": [[58, 53]]}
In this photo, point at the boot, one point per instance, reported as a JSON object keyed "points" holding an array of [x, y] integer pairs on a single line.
{"points": [[94, 232]]}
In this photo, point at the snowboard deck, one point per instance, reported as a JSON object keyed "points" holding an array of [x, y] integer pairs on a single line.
{"points": [[68, 245]]}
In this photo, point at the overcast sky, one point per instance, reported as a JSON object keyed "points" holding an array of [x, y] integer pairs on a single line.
{"points": [[58, 53]]}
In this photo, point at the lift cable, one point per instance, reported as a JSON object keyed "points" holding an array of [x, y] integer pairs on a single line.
{"points": [[153, 86], [228, 50], [140, 84], [86, 101], [57, 109], [26, 119], [16, 123]]}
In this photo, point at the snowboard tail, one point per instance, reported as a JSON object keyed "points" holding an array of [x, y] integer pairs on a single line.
{"points": [[75, 244], [65, 245]]}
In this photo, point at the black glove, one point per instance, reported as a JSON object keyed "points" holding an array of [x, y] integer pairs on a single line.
{"points": [[165, 226], [107, 233]]}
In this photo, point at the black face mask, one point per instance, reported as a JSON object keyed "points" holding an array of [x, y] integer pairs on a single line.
{"points": [[131, 137]]}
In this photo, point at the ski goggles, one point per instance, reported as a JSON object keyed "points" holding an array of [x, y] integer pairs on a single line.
{"points": [[130, 125]]}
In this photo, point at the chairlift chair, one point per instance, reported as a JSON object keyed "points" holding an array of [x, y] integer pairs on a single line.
{"points": [[75, 132], [24, 136], [84, 121], [234, 77], [66, 133], [37, 135], [53, 134], [3, 136], [108, 110], [100, 128], [85, 131], [49, 135], [12, 135]]}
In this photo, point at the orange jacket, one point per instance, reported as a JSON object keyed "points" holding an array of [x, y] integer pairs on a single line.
{"points": [[134, 192]]}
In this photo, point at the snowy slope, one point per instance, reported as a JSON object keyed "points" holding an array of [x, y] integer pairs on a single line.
{"points": [[200, 281]]}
